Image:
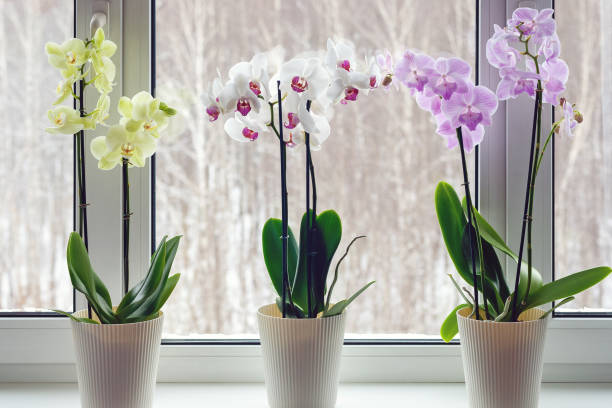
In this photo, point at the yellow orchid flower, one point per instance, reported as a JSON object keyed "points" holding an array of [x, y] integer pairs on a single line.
{"points": [[68, 57], [101, 52], [65, 120], [120, 143], [144, 113]]}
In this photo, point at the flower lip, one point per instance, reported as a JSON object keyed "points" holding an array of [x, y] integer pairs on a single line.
{"points": [[373, 81], [243, 106], [292, 121], [299, 84], [255, 87], [344, 64], [213, 113], [350, 93], [250, 134]]}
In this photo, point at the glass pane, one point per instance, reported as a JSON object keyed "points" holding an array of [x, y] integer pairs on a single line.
{"points": [[378, 169], [36, 167], [583, 170]]}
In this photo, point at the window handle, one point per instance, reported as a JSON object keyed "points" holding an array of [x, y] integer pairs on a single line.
{"points": [[99, 18]]}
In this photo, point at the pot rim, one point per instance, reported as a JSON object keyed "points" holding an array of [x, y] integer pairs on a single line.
{"points": [[160, 316], [491, 322], [304, 319]]}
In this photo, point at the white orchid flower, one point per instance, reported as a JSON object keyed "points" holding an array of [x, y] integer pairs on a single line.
{"points": [[297, 120], [346, 81], [306, 77], [68, 57], [256, 71], [211, 101], [245, 128], [144, 113], [66, 121], [238, 96], [120, 143]]}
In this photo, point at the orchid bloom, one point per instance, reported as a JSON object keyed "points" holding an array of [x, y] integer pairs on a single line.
{"points": [[305, 77], [414, 70], [144, 113], [64, 90], [65, 120], [120, 143], [346, 81], [384, 61], [533, 23], [245, 128], [470, 138], [101, 52], [449, 76], [571, 118], [554, 75], [515, 82], [211, 101], [499, 52], [470, 109], [298, 120], [238, 96], [68, 57]]}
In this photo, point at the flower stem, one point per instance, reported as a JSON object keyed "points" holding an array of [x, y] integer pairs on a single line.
{"points": [[536, 112], [126, 223], [309, 225], [284, 205], [531, 195], [468, 198], [80, 153]]}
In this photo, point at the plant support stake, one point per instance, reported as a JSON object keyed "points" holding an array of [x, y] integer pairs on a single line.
{"points": [[468, 198], [284, 211], [526, 209], [126, 224]]}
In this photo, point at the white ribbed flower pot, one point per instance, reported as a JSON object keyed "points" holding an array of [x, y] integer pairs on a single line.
{"points": [[301, 358], [502, 362], [117, 363]]}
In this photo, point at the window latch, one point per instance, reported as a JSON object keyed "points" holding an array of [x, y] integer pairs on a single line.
{"points": [[100, 11]]}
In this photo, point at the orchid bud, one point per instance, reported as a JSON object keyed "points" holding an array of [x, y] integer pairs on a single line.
{"points": [[578, 117], [387, 80]]}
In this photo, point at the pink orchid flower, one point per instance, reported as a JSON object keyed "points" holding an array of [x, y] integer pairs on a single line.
{"points": [[473, 108], [449, 76], [414, 70]]}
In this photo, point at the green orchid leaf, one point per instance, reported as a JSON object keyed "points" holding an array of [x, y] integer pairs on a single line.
{"points": [[450, 328], [452, 224], [492, 268], [339, 307], [536, 281], [489, 234], [273, 253], [168, 288], [76, 319], [149, 305], [567, 287], [143, 290], [84, 278], [317, 263], [557, 305]]}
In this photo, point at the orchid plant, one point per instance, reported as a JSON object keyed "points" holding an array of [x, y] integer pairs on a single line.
{"points": [[129, 143], [292, 101], [83, 63], [526, 52]]}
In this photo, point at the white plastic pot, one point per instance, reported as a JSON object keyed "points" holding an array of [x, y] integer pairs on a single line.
{"points": [[301, 358], [502, 362], [117, 363]]}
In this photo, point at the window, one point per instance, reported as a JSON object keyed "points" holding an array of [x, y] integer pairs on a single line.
{"points": [[218, 193], [583, 217], [36, 167]]}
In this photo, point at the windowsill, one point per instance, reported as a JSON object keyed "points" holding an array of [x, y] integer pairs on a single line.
{"points": [[184, 395]]}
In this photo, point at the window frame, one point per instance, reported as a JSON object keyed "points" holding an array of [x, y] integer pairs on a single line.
{"points": [[40, 349]]}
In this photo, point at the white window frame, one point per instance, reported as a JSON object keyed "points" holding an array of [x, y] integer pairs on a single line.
{"points": [[40, 349]]}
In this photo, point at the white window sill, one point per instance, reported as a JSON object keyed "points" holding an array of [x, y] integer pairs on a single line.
{"points": [[185, 395]]}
